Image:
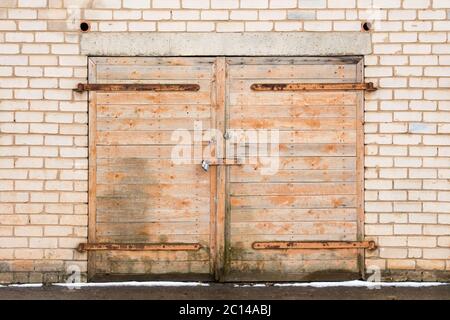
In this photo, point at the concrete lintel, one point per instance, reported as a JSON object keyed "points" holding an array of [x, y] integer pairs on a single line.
{"points": [[227, 44]]}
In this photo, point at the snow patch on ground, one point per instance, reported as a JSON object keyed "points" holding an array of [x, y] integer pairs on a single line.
{"points": [[25, 285], [354, 283], [135, 284]]}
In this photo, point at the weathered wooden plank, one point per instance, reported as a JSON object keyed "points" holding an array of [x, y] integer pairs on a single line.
{"points": [[146, 98], [246, 174], [154, 137], [244, 252], [299, 228], [153, 61], [135, 124], [289, 136], [314, 112], [323, 201], [155, 267], [288, 215], [319, 71], [131, 72], [141, 202], [203, 239], [137, 152], [285, 268], [316, 124], [340, 60], [314, 163], [291, 188], [142, 177], [157, 111], [293, 237], [292, 98], [134, 215], [109, 230], [152, 190]]}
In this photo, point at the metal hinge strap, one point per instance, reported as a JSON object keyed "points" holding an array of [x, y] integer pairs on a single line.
{"points": [[82, 247], [312, 86], [115, 87], [279, 245]]}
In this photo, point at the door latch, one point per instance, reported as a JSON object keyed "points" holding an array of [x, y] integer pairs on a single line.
{"points": [[205, 165], [220, 162]]}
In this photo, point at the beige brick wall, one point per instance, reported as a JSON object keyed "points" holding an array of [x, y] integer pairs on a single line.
{"points": [[43, 125]]}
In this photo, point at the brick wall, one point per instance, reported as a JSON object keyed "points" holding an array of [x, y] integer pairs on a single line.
{"points": [[43, 125]]}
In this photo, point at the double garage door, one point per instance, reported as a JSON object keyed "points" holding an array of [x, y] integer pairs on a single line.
{"points": [[233, 169]]}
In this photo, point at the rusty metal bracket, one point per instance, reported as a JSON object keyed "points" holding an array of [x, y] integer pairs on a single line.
{"points": [[115, 87], [312, 86], [82, 247], [280, 245]]}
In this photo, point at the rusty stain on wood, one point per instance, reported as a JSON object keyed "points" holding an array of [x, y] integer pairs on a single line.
{"points": [[82, 247], [116, 87], [312, 86], [279, 245]]}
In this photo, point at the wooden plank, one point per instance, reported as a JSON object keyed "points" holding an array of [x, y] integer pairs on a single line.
{"points": [[315, 124], [221, 79], [244, 252], [287, 215], [318, 71], [292, 111], [127, 72], [92, 170], [360, 166], [246, 174], [237, 239], [150, 268], [161, 203], [340, 60], [299, 228], [154, 137], [314, 163], [203, 239], [269, 189], [284, 268], [154, 61], [137, 152], [134, 124], [146, 98], [159, 111], [292, 98], [133, 214], [323, 201], [109, 230], [145, 177], [153, 190], [289, 136]]}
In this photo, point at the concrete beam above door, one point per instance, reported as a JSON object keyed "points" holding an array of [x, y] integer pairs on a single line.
{"points": [[227, 44]]}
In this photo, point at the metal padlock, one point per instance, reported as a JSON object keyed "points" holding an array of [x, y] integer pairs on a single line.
{"points": [[205, 165]]}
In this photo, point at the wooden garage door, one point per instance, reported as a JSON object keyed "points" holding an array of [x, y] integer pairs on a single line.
{"points": [[139, 196], [316, 193], [153, 218]]}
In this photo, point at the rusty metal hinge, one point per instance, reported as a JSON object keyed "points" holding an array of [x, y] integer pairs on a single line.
{"points": [[312, 86], [82, 247], [115, 87], [279, 245]]}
